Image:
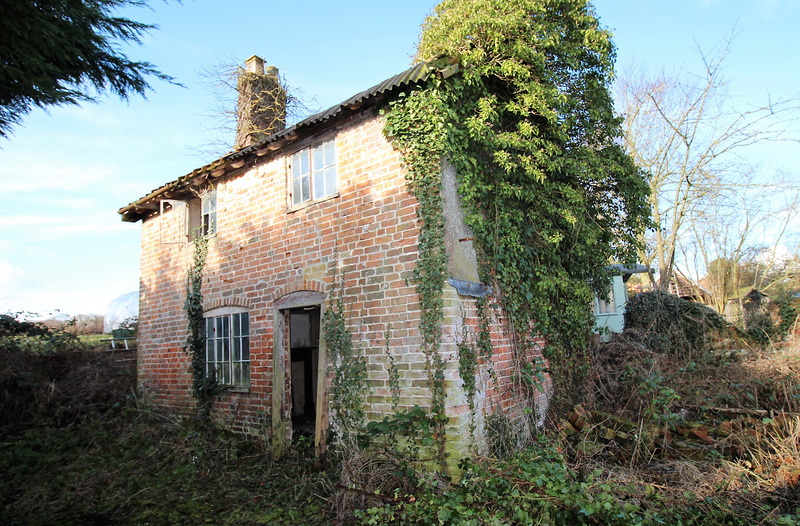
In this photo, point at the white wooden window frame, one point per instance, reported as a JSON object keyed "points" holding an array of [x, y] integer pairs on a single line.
{"points": [[228, 346], [208, 212], [173, 221], [313, 174]]}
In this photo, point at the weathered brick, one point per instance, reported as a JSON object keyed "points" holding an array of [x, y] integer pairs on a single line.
{"points": [[263, 251]]}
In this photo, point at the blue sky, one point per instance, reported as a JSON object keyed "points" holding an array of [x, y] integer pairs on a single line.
{"points": [[66, 172]]}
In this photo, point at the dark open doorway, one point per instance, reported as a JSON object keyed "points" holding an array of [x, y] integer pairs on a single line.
{"points": [[304, 359]]}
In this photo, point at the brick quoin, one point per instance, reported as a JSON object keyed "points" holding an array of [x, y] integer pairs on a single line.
{"points": [[263, 250]]}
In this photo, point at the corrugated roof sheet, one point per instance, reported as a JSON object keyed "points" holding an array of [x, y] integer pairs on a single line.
{"points": [[419, 73]]}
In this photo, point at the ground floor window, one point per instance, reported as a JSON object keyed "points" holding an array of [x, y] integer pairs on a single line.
{"points": [[609, 306], [228, 349]]}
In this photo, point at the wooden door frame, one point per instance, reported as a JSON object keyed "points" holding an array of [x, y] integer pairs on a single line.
{"points": [[281, 412]]}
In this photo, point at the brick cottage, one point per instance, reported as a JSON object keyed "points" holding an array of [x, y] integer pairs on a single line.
{"points": [[281, 213]]}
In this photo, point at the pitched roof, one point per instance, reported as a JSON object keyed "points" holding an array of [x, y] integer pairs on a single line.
{"points": [[235, 160], [683, 287]]}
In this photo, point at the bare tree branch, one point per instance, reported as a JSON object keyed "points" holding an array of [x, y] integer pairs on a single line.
{"points": [[685, 133]]}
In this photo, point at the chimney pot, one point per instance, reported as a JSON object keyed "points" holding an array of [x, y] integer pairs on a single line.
{"points": [[254, 64]]}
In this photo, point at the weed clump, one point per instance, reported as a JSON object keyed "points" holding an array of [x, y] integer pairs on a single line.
{"points": [[47, 376], [671, 325]]}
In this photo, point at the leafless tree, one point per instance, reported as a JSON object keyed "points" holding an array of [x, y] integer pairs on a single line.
{"points": [[684, 132], [222, 78], [735, 240]]}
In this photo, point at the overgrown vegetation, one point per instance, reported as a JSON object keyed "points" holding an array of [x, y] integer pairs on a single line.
{"points": [[348, 371], [204, 386], [673, 326], [49, 372], [77, 448], [666, 437], [34, 337], [529, 115]]}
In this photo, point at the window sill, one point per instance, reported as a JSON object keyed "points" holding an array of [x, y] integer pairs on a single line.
{"points": [[209, 237], [306, 204], [237, 389]]}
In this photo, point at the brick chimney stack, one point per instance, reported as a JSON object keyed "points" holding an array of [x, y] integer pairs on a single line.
{"points": [[261, 110]]}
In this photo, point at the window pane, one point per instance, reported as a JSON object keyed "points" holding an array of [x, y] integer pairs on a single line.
{"points": [[319, 184], [319, 162], [209, 352], [306, 190], [299, 164], [227, 353], [212, 222], [330, 180], [237, 374], [209, 223], [304, 162], [209, 201], [237, 349], [297, 192], [246, 349], [330, 153]]}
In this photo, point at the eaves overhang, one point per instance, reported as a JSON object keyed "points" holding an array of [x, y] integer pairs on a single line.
{"points": [[234, 161]]}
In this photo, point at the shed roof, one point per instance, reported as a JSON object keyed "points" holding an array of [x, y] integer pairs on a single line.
{"points": [[238, 159], [683, 287]]}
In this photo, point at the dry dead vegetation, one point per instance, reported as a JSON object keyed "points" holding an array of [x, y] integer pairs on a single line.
{"points": [[684, 421], [78, 448], [721, 426], [673, 431]]}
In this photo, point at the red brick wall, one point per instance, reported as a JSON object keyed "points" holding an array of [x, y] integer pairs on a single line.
{"points": [[261, 252]]}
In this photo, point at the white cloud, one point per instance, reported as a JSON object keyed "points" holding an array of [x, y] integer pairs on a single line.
{"points": [[76, 224], [59, 175], [72, 293], [11, 276], [25, 220]]}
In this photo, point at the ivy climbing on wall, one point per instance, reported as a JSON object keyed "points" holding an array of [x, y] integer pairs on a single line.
{"points": [[348, 370], [204, 388], [547, 189], [415, 125]]}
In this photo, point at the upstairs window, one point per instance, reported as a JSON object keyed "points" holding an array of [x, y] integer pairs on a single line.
{"points": [[173, 221], [313, 173], [203, 214], [208, 212], [187, 220], [228, 349]]}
